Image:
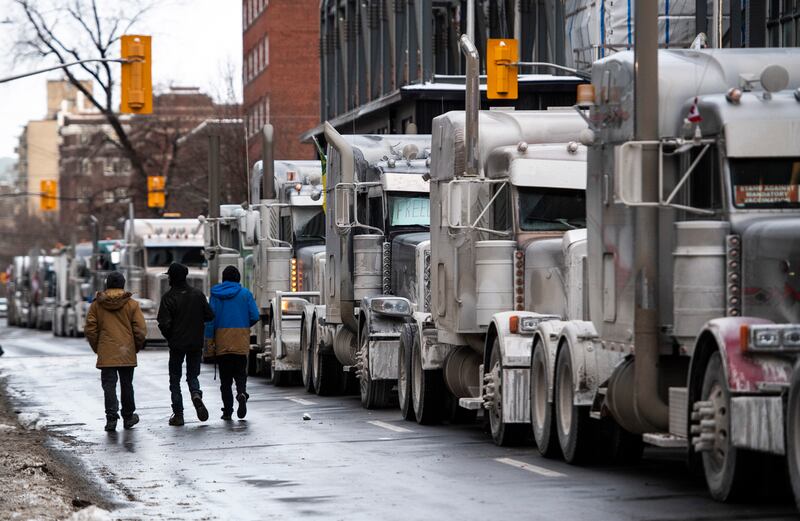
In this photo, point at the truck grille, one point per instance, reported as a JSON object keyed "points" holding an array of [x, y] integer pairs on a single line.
{"points": [[427, 280]]}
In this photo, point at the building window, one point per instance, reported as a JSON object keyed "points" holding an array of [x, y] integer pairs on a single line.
{"points": [[783, 23]]}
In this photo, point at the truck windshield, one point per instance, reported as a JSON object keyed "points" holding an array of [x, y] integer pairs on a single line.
{"points": [[309, 224], [163, 256], [768, 182], [409, 210], [551, 209]]}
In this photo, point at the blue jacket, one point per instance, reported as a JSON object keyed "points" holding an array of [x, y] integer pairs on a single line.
{"points": [[235, 312]]}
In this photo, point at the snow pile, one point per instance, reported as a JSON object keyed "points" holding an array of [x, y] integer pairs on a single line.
{"points": [[30, 420], [91, 513]]}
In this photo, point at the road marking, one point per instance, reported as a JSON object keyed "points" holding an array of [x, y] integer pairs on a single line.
{"points": [[389, 426], [531, 468], [301, 401]]}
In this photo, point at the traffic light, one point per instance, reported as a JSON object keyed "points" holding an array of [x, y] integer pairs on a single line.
{"points": [[137, 81], [155, 191], [501, 78], [48, 199]]}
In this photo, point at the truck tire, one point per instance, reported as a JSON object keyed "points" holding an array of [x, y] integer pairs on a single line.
{"points": [[575, 434], [503, 434], [427, 389], [326, 369], [728, 470], [375, 394], [542, 412], [305, 359], [404, 371]]}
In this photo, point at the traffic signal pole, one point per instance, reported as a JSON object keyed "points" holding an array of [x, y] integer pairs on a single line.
{"points": [[64, 66]]}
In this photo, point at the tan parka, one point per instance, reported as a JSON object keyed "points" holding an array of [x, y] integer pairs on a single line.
{"points": [[115, 328]]}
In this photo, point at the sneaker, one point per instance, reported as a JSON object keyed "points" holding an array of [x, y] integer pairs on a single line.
{"points": [[130, 421], [241, 411], [111, 424], [176, 420], [202, 412], [226, 416]]}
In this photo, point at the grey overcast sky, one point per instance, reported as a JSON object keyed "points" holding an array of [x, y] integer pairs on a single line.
{"points": [[194, 42]]}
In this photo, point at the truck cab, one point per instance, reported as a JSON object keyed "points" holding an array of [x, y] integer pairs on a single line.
{"points": [[376, 205], [151, 246], [289, 232]]}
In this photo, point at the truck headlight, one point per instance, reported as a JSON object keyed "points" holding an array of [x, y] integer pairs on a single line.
{"points": [[765, 336], [791, 337], [528, 324], [392, 306]]}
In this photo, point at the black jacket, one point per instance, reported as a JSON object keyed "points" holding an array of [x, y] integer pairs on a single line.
{"points": [[182, 316]]}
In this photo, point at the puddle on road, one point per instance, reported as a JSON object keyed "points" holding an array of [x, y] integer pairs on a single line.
{"points": [[305, 499], [269, 483]]}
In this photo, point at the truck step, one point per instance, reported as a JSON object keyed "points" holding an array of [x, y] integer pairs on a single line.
{"points": [[471, 404], [668, 441]]}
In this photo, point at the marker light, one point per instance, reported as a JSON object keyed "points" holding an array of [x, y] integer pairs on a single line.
{"points": [[733, 95]]}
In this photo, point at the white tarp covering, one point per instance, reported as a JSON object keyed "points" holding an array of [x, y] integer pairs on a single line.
{"points": [[597, 28]]}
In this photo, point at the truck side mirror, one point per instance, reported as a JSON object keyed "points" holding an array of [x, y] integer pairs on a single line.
{"points": [[252, 225], [628, 173], [344, 196], [455, 193]]}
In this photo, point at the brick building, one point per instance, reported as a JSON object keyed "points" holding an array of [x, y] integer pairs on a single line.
{"points": [[98, 179], [281, 73]]}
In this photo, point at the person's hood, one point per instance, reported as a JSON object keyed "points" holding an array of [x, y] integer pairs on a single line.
{"points": [[113, 299], [226, 290]]}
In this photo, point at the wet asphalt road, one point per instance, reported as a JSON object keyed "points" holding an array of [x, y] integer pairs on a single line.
{"points": [[345, 463]]}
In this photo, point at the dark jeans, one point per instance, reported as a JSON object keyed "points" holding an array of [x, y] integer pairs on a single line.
{"points": [[193, 360], [108, 379], [232, 368]]}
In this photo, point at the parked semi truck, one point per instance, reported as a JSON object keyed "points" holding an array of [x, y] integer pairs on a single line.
{"points": [[18, 289], [81, 271], [290, 231], [693, 320], [503, 185], [376, 199], [73, 288], [42, 296], [151, 245]]}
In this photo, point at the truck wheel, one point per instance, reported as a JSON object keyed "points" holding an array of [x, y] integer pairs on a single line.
{"points": [[503, 434], [544, 428], [374, 393], [404, 371], [426, 390], [727, 469], [575, 434], [326, 369], [305, 359]]}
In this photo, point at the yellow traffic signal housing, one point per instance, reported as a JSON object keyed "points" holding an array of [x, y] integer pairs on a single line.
{"points": [[137, 79], [501, 77], [48, 200], [155, 191]]}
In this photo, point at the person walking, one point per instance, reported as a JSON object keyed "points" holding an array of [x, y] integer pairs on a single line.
{"points": [[116, 331], [235, 312], [182, 315]]}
